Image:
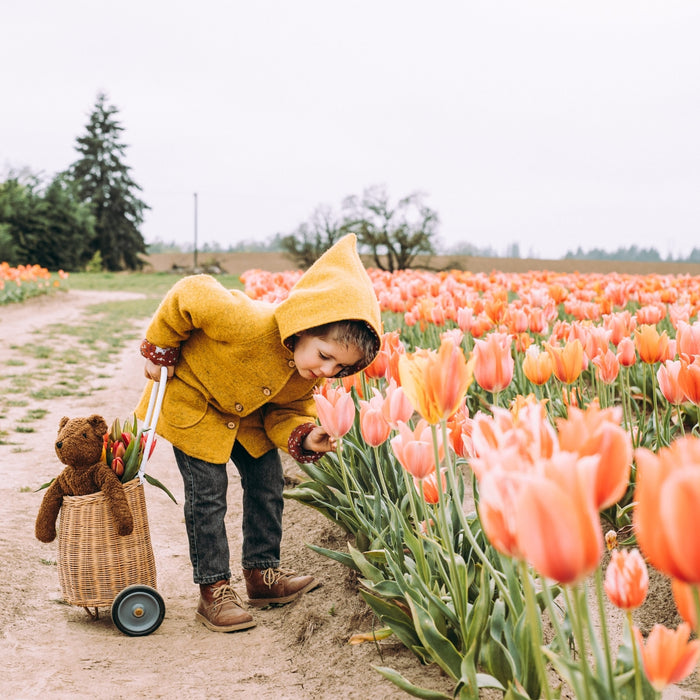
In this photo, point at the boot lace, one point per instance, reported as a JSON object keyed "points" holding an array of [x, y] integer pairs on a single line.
{"points": [[272, 576], [223, 594]]}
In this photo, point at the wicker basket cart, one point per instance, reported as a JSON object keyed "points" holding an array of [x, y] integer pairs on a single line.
{"points": [[96, 566]]}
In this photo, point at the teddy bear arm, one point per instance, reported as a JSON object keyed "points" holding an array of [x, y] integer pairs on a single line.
{"points": [[45, 527], [116, 500]]}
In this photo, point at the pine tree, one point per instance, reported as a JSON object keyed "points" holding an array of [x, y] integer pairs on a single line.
{"points": [[102, 181]]}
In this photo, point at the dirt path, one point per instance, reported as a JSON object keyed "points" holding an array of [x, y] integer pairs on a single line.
{"points": [[52, 650]]}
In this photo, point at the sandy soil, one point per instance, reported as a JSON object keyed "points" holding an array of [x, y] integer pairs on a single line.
{"points": [[53, 650]]}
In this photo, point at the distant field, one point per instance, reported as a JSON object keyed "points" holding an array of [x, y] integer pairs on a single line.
{"points": [[236, 263]]}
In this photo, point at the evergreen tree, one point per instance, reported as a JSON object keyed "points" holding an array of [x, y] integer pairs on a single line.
{"points": [[102, 181]]}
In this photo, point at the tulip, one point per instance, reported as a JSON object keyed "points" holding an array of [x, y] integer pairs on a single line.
{"points": [[373, 425], [684, 597], [651, 345], [568, 360], [688, 338], [668, 657], [598, 432], [414, 449], [396, 406], [435, 382], [607, 366], [336, 410], [493, 367], [537, 365], [118, 466], [430, 486], [666, 517], [626, 579], [626, 352], [667, 375], [556, 519], [689, 380], [498, 493]]}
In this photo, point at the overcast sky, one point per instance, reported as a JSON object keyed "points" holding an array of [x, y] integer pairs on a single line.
{"points": [[548, 124]]}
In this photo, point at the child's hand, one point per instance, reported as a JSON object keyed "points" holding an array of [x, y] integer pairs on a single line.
{"points": [[152, 371], [318, 440]]}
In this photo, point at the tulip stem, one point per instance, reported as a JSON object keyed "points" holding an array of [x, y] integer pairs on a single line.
{"points": [[575, 611], [604, 632], [638, 694], [535, 627]]}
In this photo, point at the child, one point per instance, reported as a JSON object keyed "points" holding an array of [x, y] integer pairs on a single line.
{"points": [[242, 379]]}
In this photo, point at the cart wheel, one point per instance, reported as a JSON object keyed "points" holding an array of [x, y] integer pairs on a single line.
{"points": [[138, 610]]}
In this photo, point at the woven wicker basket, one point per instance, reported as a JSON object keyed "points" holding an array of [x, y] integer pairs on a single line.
{"points": [[94, 562]]}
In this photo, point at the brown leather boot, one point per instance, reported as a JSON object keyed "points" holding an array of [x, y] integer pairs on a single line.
{"points": [[220, 608], [275, 586]]}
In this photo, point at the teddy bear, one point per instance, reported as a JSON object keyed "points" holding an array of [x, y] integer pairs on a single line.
{"points": [[79, 446]]}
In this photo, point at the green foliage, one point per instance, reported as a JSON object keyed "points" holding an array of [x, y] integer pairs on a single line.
{"points": [[103, 182], [43, 224]]}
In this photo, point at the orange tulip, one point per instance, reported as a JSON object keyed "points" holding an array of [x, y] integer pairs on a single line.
{"points": [[598, 432], [336, 410], [668, 657], [493, 366], [689, 380], [568, 360], [436, 382], [666, 517], [498, 493], [651, 345], [626, 579], [537, 365], [430, 486], [684, 597], [556, 519]]}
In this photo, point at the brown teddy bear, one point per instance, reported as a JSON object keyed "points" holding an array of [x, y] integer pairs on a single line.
{"points": [[79, 446]]}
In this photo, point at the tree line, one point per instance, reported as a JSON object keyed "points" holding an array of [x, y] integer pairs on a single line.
{"points": [[89, 217]]}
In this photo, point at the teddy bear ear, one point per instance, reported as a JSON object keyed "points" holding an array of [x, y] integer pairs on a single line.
{"points": [[63, 422], [98, 424]]}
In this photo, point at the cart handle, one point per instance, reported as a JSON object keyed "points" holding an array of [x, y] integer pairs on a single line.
{"points": [[152, 414]]}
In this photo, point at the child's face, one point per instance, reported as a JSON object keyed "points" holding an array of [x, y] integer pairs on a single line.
{"points": [[323, 357]]}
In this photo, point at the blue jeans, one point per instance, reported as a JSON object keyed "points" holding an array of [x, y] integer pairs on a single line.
{"points": [[206, 485]]}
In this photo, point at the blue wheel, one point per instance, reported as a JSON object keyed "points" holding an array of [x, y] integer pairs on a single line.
{"points": [[138, 610]]}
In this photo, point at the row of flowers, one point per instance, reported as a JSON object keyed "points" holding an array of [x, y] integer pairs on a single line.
{"points": [[564, 400], [539, 491], [25, 281]]}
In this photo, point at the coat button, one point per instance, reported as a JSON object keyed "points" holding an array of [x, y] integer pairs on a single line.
{"points": [[231, 424], [291, 363], [266, 391], [239, 407]]}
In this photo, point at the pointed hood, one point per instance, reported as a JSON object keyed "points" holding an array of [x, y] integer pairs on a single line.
{"points": [[335, 288]]}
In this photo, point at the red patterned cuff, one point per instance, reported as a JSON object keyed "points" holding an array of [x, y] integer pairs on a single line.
{"points": [[159, 356], [295, 444]]}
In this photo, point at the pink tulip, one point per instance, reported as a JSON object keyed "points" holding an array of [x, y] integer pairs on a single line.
{"points": [[414, 449], [626, 579], [336, 410], [373, 425]]}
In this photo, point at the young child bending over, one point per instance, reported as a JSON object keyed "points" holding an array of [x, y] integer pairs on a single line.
{"points": [[242, 374]]}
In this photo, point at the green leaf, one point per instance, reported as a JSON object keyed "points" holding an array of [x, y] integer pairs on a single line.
{"points": [[397, 679], [46, 485], [341, 557], [154, 482]]}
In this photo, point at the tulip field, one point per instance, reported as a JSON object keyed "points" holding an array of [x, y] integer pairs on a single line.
{"points": [[515, 432], [25, 281]]}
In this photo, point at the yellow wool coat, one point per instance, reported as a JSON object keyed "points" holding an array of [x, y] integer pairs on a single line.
{"points": [[235, 378]]}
